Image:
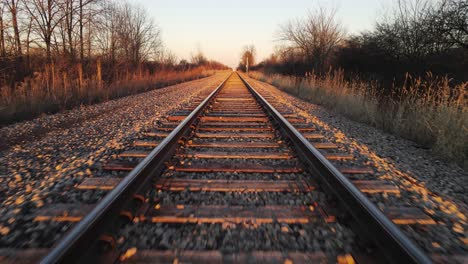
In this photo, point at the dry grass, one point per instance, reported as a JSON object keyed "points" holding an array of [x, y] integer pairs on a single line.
{"points": [[428, 110], [43, 94]]}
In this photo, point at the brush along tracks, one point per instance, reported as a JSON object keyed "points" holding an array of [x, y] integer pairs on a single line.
{"points": [[233, 177]]}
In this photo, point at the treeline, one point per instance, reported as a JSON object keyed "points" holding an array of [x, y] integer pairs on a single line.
{"points": [[247, 60], [418, 36], [50, 35], [57, 54], [408, 76]]}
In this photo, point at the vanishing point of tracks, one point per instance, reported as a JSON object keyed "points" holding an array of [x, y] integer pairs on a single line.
{"points": [[233, 178]]}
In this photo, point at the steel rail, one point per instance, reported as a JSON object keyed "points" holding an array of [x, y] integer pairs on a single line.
{"points": [[395, 246], [74, 245]]}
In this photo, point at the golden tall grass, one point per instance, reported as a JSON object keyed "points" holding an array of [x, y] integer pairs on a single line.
{"points": [[51, 90], [428, 110]]}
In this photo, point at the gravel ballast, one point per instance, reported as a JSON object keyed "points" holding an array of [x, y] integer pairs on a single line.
{"points": [[42, 160], [63, 149]]}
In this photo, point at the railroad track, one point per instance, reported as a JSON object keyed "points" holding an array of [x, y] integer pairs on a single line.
{"points": [[233, 177]]}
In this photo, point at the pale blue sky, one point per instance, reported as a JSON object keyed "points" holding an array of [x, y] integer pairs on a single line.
{"points": [[221, 28]]}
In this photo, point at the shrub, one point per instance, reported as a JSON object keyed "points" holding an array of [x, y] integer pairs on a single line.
{"points": [[45, 93], [427, 110]]}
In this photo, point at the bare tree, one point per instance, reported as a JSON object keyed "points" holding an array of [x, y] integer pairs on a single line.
{"points": [[198, 58], [145, 36], [83, 10], [13, 8], [317, 36], [248, 54], [81, 30], [70, 9], [106, 41], [247, 57], [415, 37], [451, 18], [2, 32], [47, 16], [168, 58], [138, 37], [77, 36], [419, 28], [28, 42]]}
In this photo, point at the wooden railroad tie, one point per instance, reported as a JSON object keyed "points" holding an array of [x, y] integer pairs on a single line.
{"points": [[235, 214]]}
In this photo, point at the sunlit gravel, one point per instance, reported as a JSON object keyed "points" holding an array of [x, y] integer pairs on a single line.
{"points": [[42, 160]]}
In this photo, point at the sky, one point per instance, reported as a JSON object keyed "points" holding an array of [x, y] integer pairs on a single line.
{"points": [[220, 29]]}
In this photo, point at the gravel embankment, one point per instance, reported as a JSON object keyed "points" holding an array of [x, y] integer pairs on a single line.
{"points": [[437, 187], [43, 159]]}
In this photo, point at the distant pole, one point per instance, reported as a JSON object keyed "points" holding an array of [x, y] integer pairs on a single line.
{"points": [[247, 65]]}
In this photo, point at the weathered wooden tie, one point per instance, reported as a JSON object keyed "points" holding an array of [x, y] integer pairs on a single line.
{"points": [[214, 214], [238, 167]]}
